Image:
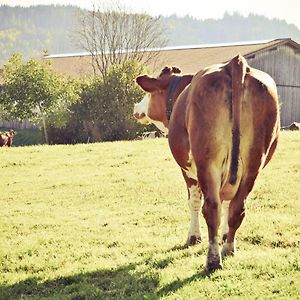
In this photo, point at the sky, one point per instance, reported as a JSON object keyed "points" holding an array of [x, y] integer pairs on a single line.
{"points": [[288, 10]]}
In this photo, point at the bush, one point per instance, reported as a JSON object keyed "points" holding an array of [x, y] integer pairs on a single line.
{"points": [[115, 102], [104, 111]]}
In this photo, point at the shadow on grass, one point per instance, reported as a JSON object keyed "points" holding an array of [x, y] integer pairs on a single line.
{"points": [[178, 284], [121, 283]]}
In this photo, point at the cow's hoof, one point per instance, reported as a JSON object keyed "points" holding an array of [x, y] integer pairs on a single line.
{"points": [[193, 240], [228, 249], [213, 266], [224, 237], [214, 259]]}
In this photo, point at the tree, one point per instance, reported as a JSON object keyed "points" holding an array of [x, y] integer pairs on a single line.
{"points": [[113, 36], [104, 112], [33, 91]]}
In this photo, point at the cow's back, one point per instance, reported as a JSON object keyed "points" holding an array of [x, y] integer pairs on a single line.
{"points": [[209, 120]]}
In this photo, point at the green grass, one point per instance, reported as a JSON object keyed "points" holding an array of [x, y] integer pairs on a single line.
{"points": [[108, 221]]}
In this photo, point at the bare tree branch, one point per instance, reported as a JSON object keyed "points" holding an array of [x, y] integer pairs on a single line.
{"points": [[113, 36]]}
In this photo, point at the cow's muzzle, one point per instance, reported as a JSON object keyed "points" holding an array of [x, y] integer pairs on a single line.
{"points": [[139, 116]]}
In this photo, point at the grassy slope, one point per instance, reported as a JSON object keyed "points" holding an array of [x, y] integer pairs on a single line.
{"points": [[107, 221]]}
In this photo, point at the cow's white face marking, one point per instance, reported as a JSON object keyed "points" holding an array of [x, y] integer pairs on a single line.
{"points": [[195, 204], [140, 112]]}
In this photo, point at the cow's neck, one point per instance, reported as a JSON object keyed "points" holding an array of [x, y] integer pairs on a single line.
{"points": [[163, 123], [175, 89], [185, 80]]}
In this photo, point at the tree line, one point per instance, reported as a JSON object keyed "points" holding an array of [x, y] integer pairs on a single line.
{"points": [[34, 29]]}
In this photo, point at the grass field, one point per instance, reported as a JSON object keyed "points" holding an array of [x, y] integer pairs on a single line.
{"points": [[108, 221]]}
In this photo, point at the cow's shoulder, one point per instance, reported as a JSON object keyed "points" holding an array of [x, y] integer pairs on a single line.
{"points": [[209, 88], [213, 78], [210, 71]]}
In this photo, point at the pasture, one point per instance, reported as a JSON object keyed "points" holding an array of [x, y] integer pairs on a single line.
{"points": [[109, 221]]}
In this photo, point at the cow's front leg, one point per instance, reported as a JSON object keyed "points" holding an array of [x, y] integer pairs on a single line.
{"points": [[195, 205]]}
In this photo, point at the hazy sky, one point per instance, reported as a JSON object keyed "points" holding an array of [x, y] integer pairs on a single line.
{"points": [[288, 10]]}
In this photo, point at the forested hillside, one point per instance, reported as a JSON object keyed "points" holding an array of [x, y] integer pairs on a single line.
{"points": [[34, 29], [231, 28]]}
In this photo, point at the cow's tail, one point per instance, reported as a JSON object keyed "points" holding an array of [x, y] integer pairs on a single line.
{"points": [[238, 67]]}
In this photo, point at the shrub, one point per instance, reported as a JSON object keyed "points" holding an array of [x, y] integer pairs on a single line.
{"points": [[104, 111]]}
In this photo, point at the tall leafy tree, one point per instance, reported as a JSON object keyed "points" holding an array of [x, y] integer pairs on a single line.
{"points": [[34, 91]]}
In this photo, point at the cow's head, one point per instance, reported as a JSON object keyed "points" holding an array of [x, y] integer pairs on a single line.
{"points": [[12, 133], [153, 107]]}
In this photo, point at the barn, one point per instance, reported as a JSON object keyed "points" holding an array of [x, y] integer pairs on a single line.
{"points": [[278, 57]]}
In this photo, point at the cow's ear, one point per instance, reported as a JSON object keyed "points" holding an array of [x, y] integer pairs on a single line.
{"points": [[147, 83], [176, 70], [166, 70]]}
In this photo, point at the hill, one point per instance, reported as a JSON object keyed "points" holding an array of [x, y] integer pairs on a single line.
{"points": [[231, 28], [102, 221], [33, 29]]}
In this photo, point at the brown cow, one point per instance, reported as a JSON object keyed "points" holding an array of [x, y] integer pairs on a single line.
{"points": [[222, 131], [6, 138]]}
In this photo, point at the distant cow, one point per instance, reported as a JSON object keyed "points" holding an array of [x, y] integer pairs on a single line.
{"points": [[223, 126], [151, 134], [6, 138], [293, 126]]}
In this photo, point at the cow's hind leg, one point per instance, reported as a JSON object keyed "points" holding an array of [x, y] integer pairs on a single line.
{"points": [[195, 204], [210, 186], [235, 218], [236, 215], [225, 227]]}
